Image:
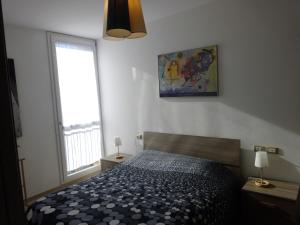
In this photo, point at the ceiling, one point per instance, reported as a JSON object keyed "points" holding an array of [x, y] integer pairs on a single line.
{"points": [[80, 17]]}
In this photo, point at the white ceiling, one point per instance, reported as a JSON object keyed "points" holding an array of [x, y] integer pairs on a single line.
{"points": [[80, 17]]}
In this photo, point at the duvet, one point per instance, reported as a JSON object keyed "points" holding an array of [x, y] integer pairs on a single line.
{"points": [[153, 188]]}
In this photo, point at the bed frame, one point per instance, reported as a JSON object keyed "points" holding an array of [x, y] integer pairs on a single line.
{"points": [[223, 150]]}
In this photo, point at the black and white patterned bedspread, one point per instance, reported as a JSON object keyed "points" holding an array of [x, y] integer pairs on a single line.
{"points": [[154, 188]]}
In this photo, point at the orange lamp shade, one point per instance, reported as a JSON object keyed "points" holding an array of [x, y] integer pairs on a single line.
{"points": [[137, 22]]}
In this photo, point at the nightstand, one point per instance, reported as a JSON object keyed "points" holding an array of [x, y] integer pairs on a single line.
{"points": [[275, 205], [110, 161]]}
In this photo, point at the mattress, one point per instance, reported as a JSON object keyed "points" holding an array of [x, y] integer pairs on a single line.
{"points": [[153, 188]]}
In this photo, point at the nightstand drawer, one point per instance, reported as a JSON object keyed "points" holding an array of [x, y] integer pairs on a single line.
{"points": [[258, 210], [111, 161], [275, 205], [270, 201], [107, 165]]}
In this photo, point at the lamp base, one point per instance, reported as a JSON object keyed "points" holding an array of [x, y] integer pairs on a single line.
{"points": [[119, 157], [262, 183]]}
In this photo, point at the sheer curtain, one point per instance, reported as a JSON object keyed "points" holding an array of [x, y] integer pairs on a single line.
{"points": [[79, 105]]}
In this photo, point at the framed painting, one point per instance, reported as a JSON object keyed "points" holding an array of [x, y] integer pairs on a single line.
{"points": [[189, 73]]}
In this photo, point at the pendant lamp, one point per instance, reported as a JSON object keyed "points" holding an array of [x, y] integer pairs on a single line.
{"points": [[123, 19]]}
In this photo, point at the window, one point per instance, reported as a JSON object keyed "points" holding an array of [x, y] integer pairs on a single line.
{"points": [[75, 84]]}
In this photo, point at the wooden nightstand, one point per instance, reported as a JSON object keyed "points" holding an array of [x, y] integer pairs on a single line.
{"points": [[278, 204], [110, 161]]}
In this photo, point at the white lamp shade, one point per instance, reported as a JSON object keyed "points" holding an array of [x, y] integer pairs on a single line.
{"points": [[261, 159], [118, 141]]}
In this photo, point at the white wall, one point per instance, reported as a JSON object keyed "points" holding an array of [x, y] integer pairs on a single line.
{"points": [[259, 43], [29, 50]]}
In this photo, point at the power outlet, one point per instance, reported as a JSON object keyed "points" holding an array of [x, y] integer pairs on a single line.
{"points": [[273, 150], [258, 148], [139, 136]]}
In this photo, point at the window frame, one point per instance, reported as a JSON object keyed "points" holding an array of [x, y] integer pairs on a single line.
{"points": [[52, 38]]}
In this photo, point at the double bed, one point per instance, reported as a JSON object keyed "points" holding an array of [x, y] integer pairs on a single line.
{"points": [[177, 179]]}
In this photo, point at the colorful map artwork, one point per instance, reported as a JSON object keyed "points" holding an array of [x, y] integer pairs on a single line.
{"points": [[189, 73]]}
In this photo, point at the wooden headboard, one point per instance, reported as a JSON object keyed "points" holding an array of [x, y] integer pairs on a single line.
{"points": [[223, 150]]}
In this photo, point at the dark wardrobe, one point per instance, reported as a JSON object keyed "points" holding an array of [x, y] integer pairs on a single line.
{"points": [[11, 200]]}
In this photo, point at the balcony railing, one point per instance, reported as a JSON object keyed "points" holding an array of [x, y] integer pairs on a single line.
{"points": [[83, 146]]}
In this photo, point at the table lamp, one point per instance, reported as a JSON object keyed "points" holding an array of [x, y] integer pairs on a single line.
{"points": [[118, 143], [261, 161]]}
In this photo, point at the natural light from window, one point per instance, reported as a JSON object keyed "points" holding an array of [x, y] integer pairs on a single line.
{"points": [[79, 105]]}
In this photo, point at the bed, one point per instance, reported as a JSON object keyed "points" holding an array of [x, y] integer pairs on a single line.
{"points": [[177, 179]]}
